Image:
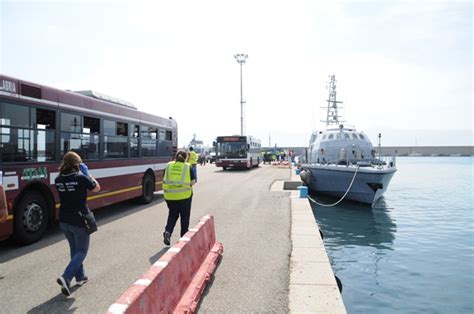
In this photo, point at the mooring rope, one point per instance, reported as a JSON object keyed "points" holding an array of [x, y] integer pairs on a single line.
{"points": [[330, 205]]}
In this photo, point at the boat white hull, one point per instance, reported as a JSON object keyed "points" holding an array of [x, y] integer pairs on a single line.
{"points": [[369, 184]]}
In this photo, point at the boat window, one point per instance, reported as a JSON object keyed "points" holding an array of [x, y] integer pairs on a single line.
{"points": [[331, 136], [346, 136], [354, 136], [324, 136], [361, 137]]}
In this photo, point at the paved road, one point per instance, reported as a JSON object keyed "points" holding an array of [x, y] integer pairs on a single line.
{"points": [[252, 223]]}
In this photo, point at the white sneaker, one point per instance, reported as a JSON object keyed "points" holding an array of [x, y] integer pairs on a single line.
{"points": [[81, 282], [65, 289]]}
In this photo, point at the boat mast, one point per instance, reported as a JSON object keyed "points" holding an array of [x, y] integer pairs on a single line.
{"points": [[332, 116]]}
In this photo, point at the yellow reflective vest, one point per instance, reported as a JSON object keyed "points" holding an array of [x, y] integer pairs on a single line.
{"points": [[177, 181], [193, 157]]}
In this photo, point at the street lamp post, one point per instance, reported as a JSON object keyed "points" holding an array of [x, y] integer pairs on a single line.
{"points": [[241, 58]]}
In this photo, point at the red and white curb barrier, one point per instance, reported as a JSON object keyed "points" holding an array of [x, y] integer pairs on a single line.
{"points": [[175, 282]]}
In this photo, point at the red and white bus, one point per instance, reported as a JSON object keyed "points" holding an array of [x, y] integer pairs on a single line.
{"points": [[237, 151], [126, 151]]}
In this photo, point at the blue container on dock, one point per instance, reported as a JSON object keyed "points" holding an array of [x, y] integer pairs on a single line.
{"points": [[303, 191], [297, 171]]}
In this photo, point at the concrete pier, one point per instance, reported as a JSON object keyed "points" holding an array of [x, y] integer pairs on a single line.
{"points": [[313, 287]]}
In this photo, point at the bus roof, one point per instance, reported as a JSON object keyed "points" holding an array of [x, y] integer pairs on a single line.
{"points": [[68, 100], [107, 98]]}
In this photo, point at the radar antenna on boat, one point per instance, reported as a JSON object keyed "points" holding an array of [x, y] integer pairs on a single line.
{"points": [[332, 116]]}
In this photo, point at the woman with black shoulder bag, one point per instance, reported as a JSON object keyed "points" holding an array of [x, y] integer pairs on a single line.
{"points": [[75, 218]]}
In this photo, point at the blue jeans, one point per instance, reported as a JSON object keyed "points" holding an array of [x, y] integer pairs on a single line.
{"points": [[78, 239], [194, 169]]}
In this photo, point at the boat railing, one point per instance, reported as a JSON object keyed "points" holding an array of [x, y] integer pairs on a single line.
{"points": [[389, 161], [381, 162]]}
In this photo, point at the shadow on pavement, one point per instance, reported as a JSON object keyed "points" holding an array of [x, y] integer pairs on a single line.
{"points": [[59, 304], [10, 250], [157, 256]]}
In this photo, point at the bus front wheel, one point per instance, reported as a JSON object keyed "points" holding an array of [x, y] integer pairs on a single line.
{"points": [[147, 189], [31, 218]]}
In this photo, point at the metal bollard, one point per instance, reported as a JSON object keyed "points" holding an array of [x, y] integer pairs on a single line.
{"points": [[303, 191]]}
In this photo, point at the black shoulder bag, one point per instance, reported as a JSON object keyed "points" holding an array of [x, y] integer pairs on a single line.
{"points": [[90, 222]]}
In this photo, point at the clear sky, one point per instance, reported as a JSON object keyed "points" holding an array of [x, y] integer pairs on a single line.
{"points": [[404, 68]]}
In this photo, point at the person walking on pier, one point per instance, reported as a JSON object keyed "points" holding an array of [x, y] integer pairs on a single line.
{"points": [[193, 159], [178, 180], [203, 158], [72, 186]]}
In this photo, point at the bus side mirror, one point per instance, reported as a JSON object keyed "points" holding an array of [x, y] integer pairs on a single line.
{"points": [[248, 146], [214, 144]]}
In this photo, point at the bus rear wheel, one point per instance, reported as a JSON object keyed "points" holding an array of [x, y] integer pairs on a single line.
{"points": [[31, 218], [148, 187]]}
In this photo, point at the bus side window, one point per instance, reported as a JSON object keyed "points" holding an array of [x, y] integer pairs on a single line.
{"points": [[45, 123], [45, 119], [148, 143], [70, 122], [15, 135], [164, 143], [122, 129], [115, 139], [90, 138], [135, 133], [71, 127]]}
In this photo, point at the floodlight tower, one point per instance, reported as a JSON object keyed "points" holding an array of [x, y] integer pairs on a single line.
{"points": [[241, 58]]}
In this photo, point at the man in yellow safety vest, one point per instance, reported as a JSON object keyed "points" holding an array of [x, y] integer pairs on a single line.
{"points": [[193, 159], [178, 180]]}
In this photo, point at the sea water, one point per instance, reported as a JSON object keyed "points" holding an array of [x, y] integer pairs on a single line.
{"points": [[413, 252]]}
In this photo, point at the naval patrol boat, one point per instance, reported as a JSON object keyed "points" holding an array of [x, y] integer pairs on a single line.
{"points": [[342, 162]]}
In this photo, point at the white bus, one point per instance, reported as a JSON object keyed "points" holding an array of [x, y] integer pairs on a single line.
{"points": [[237, 151]]}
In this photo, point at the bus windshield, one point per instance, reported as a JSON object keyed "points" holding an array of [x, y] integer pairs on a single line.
{"points": [[232, 149]]}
